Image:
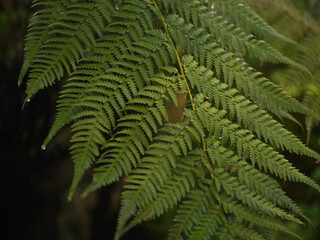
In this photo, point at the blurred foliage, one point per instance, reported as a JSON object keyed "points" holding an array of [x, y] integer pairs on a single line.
{"points": [[300, 20]]}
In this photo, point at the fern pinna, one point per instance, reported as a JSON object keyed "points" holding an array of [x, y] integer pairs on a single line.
{"points": [[125, 61]]}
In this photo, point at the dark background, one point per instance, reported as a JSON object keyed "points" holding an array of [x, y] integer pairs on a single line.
{"points": [[35, 183]]}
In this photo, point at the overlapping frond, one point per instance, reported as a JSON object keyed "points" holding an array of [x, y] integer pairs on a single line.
{"points": [[232, 70], [246, 145], [69, 37], [137, 128], [227, 34], [251, 177], [244, 17], [126, 62], [100, 118], [209, 224], [107, 74], [248, 197], [305, 31], [231, 206], [106, 52], [180, 181], [239, 108], [155, 168], [206, 199], [191, 210], [40, 23]]}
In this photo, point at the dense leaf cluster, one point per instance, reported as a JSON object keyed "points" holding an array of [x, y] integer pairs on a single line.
{"points": [[126, 61]]}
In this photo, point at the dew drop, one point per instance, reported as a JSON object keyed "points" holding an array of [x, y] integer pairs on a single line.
{"points": [[24, 103], [116, 5], [43, 147]]}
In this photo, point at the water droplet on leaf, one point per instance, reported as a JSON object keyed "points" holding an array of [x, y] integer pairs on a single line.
{"points": [[116, 4]]}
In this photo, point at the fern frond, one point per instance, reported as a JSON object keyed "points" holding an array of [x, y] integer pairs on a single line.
{"points": [[67, 41], [246, 145], [129, 64], [126, 147], [247, 197], [227, 34], [242, 15], [252, 178], [208, 224], [38, 31], [246, 113], [190, 211], [154, 170], [101, 116], [231, 206], [232, 69], [283, 14], [242, 232], [312, 100], [297, 83], [108, 51], [237, 40], [179, 183]]}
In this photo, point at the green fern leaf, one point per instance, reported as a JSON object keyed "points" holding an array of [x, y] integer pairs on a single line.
{"points": [[39, 30], [131, 65], [241, 14], [247, 113], [64, 47]]}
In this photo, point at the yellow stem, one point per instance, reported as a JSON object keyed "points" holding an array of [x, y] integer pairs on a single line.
{"points": [[185, 79]]}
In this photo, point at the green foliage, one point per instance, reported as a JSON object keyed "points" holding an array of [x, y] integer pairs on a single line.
{"points": [[307, 34], [125, 61]]}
